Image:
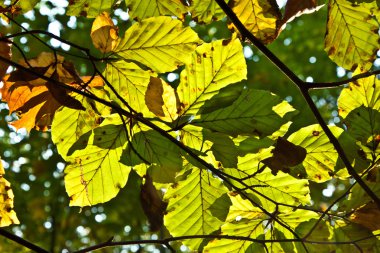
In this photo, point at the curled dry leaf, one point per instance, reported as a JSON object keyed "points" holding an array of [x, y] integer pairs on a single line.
{"points": [[104, 33], [7, 214], [34, 99], [296, 8], [5, 51]]}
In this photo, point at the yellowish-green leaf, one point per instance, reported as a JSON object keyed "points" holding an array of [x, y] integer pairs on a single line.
{"points": [[104, 33], [95, 175], [160, 43], [352, 37], [363, 92], [141, 9], [212, 67], [282, 188], [206, 11], [161, 99], [195, 205], [243, 220], [130, 82], [89, 8], [258, 16], [321, 155], [254, 112], [323, 232], [70, 125], [7, 214]]}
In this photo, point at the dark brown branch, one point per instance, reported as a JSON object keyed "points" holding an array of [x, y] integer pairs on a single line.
{"points": [[339, 83], [22, 241], [304, 90]]}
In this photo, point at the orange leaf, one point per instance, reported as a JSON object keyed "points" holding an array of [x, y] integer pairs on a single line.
{"points": [[104, 33], [35, 99]]}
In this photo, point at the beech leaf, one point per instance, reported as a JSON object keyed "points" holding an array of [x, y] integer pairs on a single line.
{"points": [[7, 214], [104, 33], [141, 9], [5, 51]]}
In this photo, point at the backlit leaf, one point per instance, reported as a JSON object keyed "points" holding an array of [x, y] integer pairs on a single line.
{"points": [[212, 67], [321, 155], [130, 82], [141, 9], [352, 37], [254, 112], [89, 8], [192, 206], [258, 16], [7, 214], [206, 11], [363, 92], [104, 33], [95, 175], [160, 43], [366, 216]]}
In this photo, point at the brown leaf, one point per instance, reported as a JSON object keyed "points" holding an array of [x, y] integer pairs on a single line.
{"points": [[285, 155], [152, 204], [5, 51], [367, 216], [35, 99], [296, 8], [104, 33]]}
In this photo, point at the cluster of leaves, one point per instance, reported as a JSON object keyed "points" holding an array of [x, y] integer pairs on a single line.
{"points": [[231, 176]]}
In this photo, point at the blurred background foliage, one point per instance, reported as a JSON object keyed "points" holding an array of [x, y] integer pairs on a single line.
{"points": [[36, 171]]}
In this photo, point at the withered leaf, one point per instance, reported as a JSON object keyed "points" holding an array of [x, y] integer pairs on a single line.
{"points": [[367, 216], [5, 51], [152, 204], [285, 155]]}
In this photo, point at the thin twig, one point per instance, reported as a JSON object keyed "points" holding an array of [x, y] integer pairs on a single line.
{"points": [[22, 241]]}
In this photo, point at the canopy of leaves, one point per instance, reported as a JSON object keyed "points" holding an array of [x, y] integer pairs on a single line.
{"points": [[164, 114]]}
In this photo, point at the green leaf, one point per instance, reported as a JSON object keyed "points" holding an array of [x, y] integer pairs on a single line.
{"points": [[363, 124], [89, 8], [160, 43], [70, 125], [352, 37], [363, 92], [321, 155], [193, 203], [206, 11], [95, 175], [256, 112], [148, 146], [212, 67], [129, 81], [243, 220], [142, 9], [258, 16], [323, 232]]}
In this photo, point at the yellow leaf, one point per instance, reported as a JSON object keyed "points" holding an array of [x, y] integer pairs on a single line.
{"points": [[161, 99], [104, 33], [206, 11], [7, 214], [258, 16], [352, 37]]}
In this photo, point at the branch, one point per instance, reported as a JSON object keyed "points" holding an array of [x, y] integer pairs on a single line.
{"points": [[339, 83], [22, 241], [304, 87]]}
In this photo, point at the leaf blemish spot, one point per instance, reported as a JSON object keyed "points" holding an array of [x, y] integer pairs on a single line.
{"points": [[315, 133]]}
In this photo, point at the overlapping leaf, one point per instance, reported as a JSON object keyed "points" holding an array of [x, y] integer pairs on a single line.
{"points": [[258, 16], [196, 206], [206, 11], [160, 43], [104, 33], [130, 82], [7, 214], [363, 92], [254, 112], [212, 67], [35, 99], [321, 155], [94, 174], [89, 8], [141, 9], [70, 125], [352, 37]]}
